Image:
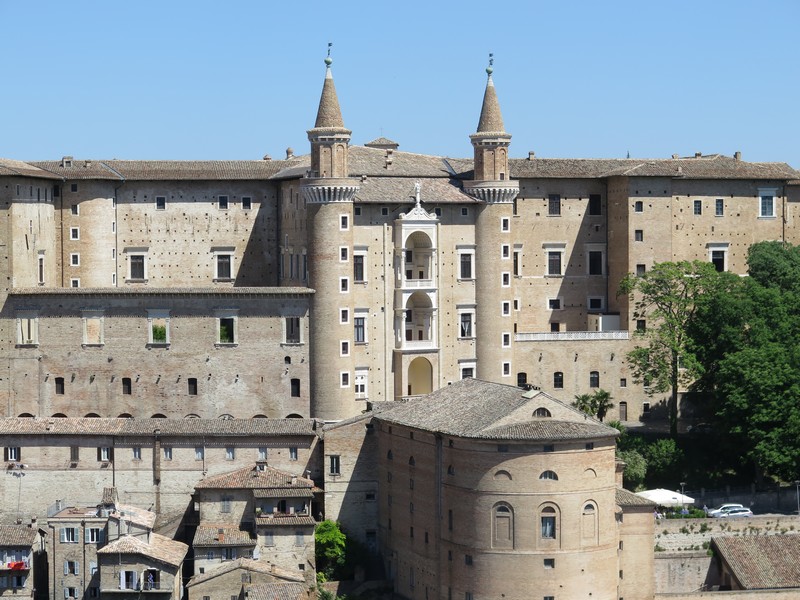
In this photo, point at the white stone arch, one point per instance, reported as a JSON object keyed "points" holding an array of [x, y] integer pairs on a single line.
{"points": [[420, 376]]}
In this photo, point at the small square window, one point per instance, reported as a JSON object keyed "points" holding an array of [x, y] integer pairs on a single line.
{"points": [[464, 211], [222, 202], [75, 209], [548, 448], [641, 325], [73, 187], [344, 222], [505, 224], [384, 211], [555, 327], [549, 563], [640, 270], [638, 206], [74, 233], [161, 202], [357, 211], [344, 315], [247, 203], [595, 304], [344, 284], [638, 235], [554, 304], [76, 283], [344, 379]]}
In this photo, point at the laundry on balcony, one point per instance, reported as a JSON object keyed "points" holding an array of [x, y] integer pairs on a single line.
{"points": [[19, 565]]}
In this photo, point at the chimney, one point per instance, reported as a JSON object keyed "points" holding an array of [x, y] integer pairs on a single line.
{"points": [[294, 479], [289, 153], [66, 161], [737, 155], [675, 156], [267, 157], [698, 154], [221, 535], [389, 158], [531, 155]]}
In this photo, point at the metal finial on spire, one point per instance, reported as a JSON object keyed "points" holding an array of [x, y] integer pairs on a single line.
{"points": [[490, 69], [328, 59]]}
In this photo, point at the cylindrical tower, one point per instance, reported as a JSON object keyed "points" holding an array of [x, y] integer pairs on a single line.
{"points": [[491, 185], [328, 195]]}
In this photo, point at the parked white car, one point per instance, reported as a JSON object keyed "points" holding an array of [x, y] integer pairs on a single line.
{"points": [[722, 509], [736, 512]]}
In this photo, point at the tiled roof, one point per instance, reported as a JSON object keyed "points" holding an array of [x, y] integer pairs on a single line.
{"points": [[277, 591], [382, 141], [491, 120], [160, 548], [480, 409], [762, 562], [284, 493], [372, 163], [366, 417], [17, 535], [715, 166], [109, 495], [393, 190], [166, 170], [254, 478], [247, 564], [626, 498], [207, 535], [161, 291], [166, 427], [17, 167], [135, 515], [329, 115], [285, 520]]}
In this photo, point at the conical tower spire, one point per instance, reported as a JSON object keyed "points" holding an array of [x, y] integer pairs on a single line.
{"points": [[329, 115], [491, 118]]}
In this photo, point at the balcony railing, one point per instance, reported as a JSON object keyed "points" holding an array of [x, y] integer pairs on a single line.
{"points": [[418, 345], [418, 283], [562, 336]]}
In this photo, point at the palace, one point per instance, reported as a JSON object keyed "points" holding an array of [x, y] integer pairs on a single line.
{"points": [[313, 285]]}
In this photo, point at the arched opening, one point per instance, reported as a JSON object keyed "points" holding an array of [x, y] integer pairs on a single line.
{"points": [[589, 523], [192, 416], [26, 416], [125, 416], [418, 265], [91, 416], [502, 476], [502, 526], [420, 377], [542, 412], [225, 417], [294, 416], [59, 416], [419, 318], [259, 416], [549, 475], [548, 519], [411, 461], [623, 411], [158, 416]]}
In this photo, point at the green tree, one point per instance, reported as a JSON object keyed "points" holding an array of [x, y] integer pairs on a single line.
{"points": [[663, 460], [635, 468], [665, 298], [583, 403], [595, 405], [330, 547]]}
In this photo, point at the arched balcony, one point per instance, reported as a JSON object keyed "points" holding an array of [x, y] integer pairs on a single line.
{"points": [[415, 324], [417, 263]]}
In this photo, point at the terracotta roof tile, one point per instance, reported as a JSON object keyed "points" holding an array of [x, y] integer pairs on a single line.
{"points": [[166, 170], [159, 291], [17, 535], [254, 478], [246, 564], [626, 498], [277, 591], [160, 548], [464, 409], [764, 561], [208, 535], [134, 514], [286, 520], [491, 120], [18, 168], [394, 190]]}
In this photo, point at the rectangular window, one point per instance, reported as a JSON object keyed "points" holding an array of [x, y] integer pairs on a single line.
{"points": [[75, 282], [74, 453], [638, 235], [191, 385], [344, 284], [199, 453], [640, 270], [223, 202], [293, 453], [344, 223], [466, 320], [506, 340], [506, 369], [595, 304], [554, 263], [292, 325], [161, 202], [230, 453], [554, 304], [344, 348], [12, 454], [554, 205], [69, 535], [358, 268], [506, 279], [361, 383], [136, 264], [719, 207], [638, 206], [334, 465], [137, 452], [359, 330], [167, 452], [158, 327], [74, 233], [641, 325], [225, 504], [558, 380], [41, 270], [104, 454], [224, 266], [75, 209], [465, 265], [73, 187], [505, 308], [262, 453], [226, 330], [59, 383], [505, 251], [595, 205], [505, 224], [548, 527], [75, 259], [247, 202], [295, 388], [344, 379], [467, 372], [95, 535], [595, 262], [767, 207], [344, 315], [343, 253], [127, 386], [718, 259], [698, 207]]}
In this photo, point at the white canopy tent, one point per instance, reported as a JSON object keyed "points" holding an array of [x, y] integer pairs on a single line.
{"points": [[664, 497]]}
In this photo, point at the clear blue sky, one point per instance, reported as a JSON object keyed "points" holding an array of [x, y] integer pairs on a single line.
{"points": [[173, 79]]}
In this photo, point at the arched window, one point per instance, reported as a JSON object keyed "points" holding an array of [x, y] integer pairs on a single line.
{"points": [[502, 475], [451, 470], [558, 380], [158, 416], [192, 416], [91, 415], [589, 523], [548, 522], [389, 455], [551, 475], [542, 412], [26, 416], [125, 416], [502, 526], [411, 461], [594, 379]]}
